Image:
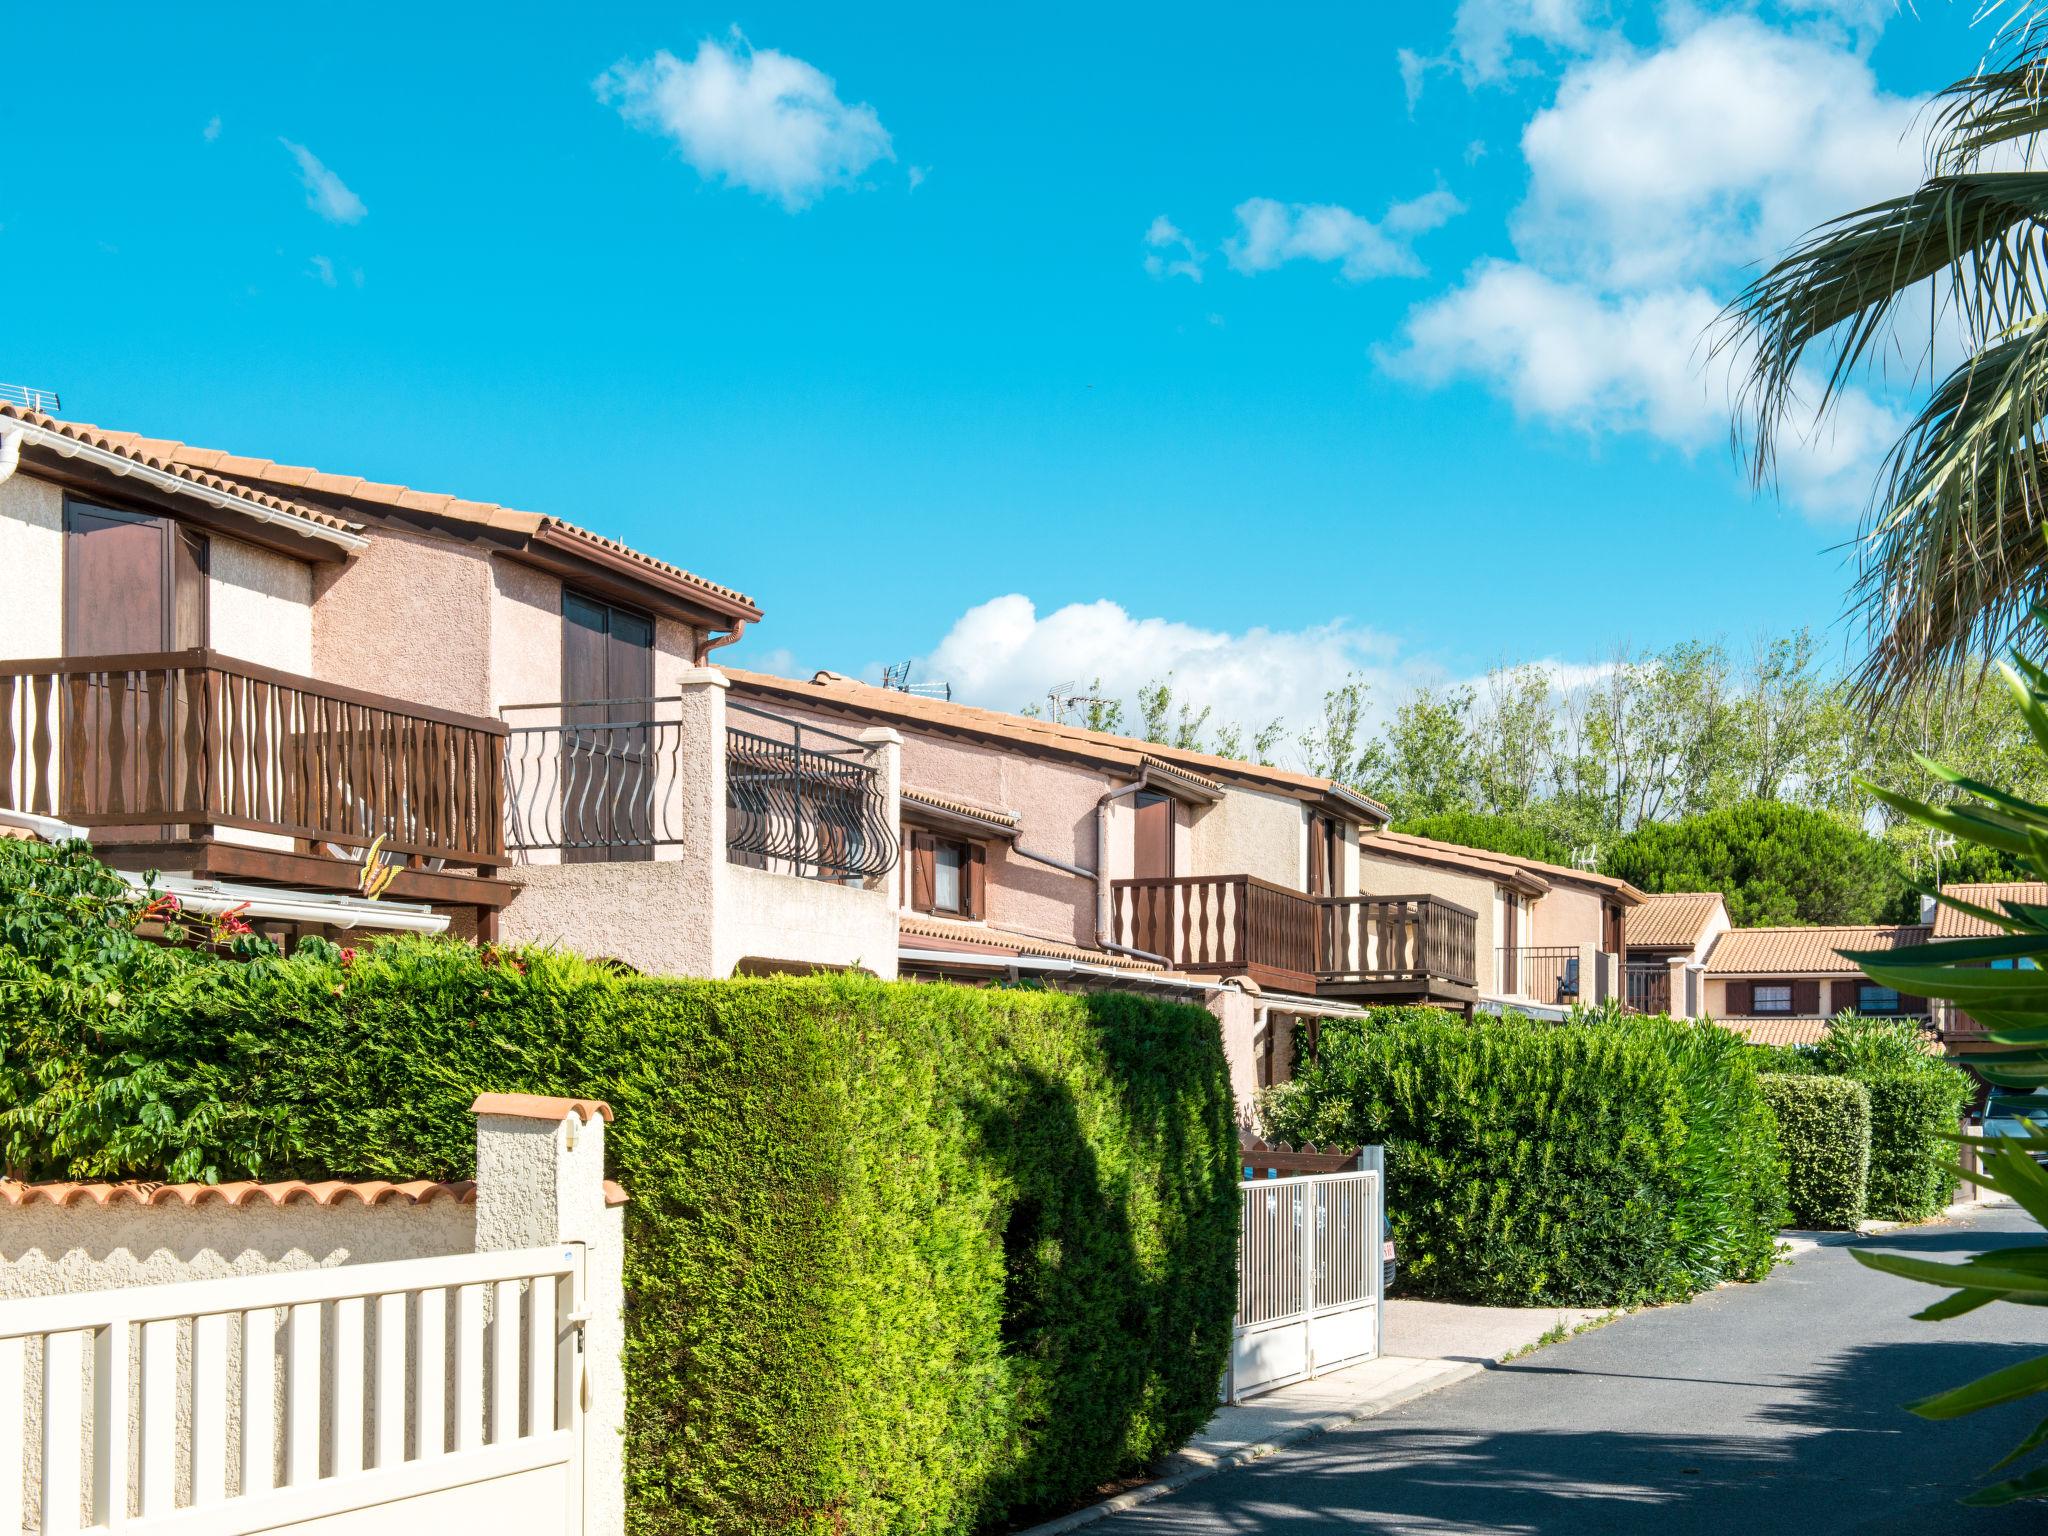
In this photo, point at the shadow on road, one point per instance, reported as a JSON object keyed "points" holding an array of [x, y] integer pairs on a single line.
{"points": [[1837, 1454]]}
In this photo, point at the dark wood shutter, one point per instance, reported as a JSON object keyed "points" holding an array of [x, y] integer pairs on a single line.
{"points": [[1318, 857], [1806, 997], [1913, 1005], [923, 874], [974, 880], [1741, 997], [116, 570]]}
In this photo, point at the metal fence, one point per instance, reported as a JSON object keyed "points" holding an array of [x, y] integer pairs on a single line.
{"points": [[1309, 1269], [803, 800], [606, 780]]}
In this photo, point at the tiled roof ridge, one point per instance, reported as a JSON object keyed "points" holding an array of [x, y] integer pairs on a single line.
{"points": [[128, 445], [1539, 867], [1024, 943], [239, 1192], [963, 807], [1100, 746], [204, 465]]}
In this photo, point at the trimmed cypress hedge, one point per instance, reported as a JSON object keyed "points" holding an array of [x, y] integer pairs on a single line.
{"points": [[1603, 1163], [1824, 1129], [900, 1257]]}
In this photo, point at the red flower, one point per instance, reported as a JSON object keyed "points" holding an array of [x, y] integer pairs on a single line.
{"points": [[348, 957]]}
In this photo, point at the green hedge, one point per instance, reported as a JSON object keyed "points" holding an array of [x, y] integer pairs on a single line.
{"points": [[1824, 1130], [1604, 1163], [900, 1257], [1916, 1103]]}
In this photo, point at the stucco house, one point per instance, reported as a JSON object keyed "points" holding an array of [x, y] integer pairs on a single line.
{"points": [[1780, 986], [1669, 938], [248, 674], [1078, 857], [1547, 936], [1962, 1036]]}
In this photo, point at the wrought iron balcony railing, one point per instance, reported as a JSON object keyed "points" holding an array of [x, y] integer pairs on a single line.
{"points": [[804, 800]]}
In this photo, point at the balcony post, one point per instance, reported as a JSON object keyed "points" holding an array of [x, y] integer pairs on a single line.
{"points": [[885, 756]]}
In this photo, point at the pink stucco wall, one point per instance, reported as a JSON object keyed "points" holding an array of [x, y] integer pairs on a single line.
{"points": [[1567, 915], [410, 617]]}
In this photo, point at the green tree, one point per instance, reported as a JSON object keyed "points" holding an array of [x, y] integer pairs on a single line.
{"points": [[1775, 863], [1339, 747], [1425, 761], [1518, 835], [1952, 554], [1164, 722]]}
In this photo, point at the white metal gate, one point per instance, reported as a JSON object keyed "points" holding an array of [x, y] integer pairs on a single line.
{"points": [[1308, 1279], [440, 1393]]}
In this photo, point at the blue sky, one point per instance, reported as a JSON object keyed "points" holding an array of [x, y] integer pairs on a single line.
{"points": [[1103, 340]]}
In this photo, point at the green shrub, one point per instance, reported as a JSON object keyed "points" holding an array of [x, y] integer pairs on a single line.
{"points": [[1824, 1131], [1594, 1164], [900, 1257], [1916, 1103]]}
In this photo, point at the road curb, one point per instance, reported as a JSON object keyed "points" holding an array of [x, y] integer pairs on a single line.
{"points": [[1145, 1493]]}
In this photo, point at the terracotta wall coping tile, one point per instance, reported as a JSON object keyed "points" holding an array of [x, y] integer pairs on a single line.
{"points": [[534, 1106]]}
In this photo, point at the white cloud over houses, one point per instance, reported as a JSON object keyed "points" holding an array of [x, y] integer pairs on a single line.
{"points": [[1656, 175], [1004, 653], [1170, 253], [1270, 234], [751, 117], [326, 193]]}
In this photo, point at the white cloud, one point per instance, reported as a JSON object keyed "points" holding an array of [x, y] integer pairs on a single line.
{"points": [[1270, 233], [916, 175], [754, 118], [1003, 653], [326, 193], [1485, 33], [322, 269], [212, 129], [1568, 355], [1719, 148], [1169, 253]]}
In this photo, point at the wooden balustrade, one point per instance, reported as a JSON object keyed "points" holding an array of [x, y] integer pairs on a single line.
{"points": [[1377, 940], [172, 744], [1241, 925], [1227, 925]]}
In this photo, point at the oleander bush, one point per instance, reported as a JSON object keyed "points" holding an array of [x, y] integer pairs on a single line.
{"points": [[1609, 1162], [1917, 1102], [900, 1257], [1824, 1131]]}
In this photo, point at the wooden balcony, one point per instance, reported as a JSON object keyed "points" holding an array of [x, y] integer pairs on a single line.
{"points": [[1380, 948], [1399, 949], [190, 760]]}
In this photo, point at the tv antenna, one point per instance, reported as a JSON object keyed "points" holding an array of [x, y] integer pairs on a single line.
{"points": [[896, 678], [1061, 697], [29, 398]]}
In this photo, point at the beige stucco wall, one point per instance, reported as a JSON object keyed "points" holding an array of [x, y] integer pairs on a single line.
{"points": [[32, 555], [1250, 832], [526, 640], [784, 919], [259, 605], [1567, 915], [1380, 875], [410, 617], [655, 916]]}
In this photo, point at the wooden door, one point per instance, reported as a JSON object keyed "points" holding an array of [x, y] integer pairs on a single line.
{"points": [[607, 769], [133, 584], [1510, 944], [1152, 859]]}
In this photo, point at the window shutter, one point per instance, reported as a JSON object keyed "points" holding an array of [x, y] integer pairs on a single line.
{"points": [[1806, 997], [976, 875], [923, 877], [1911, 1004], [1741, 997]]}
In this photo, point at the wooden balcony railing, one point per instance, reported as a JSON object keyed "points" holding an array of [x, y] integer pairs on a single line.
{"points": [[1228, 925], [179, 742], [1241, 925], [1398, 939]]}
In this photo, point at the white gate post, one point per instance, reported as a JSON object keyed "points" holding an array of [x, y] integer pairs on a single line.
{"points": [[540, 1180], [1305, 1204]]}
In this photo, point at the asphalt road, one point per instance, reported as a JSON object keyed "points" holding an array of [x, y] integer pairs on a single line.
{"points": [[1753, 1409]]}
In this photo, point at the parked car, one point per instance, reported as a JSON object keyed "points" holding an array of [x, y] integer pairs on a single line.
{"points": [[1390, 1264], [2006, 1110]]}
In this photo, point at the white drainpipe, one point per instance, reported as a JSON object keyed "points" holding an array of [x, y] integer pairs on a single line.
{"points": [[10, 450]]}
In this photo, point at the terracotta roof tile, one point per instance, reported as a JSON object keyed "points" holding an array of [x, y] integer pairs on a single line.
{"points": [[183, 457], [240, 1193], [1804, 951], [959, 807], [1778, 1030], [1477, 861], [166, 456], [1951, 924], [829, 690], [1001, 941], [1670, 919], [536, 1106]]}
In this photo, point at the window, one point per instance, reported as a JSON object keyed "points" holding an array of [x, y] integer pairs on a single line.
{"points": [[2023, 963], [948, 875], [1771, 998], [1876, 999], [949, 862]]}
